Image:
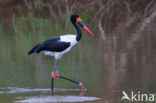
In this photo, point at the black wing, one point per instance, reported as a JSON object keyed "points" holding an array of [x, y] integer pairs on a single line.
{"points": [[53, 44]]}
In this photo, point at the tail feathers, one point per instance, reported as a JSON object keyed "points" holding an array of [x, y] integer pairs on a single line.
{"points": [[33, 50]]}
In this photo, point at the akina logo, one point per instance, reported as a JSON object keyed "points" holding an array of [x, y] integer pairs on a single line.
{"points": [[137, 96]]}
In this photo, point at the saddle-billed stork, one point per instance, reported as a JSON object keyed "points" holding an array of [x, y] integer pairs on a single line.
{"points": [[59, 45]]}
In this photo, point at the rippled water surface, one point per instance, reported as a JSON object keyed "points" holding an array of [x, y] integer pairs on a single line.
{"points": [[105, 67]]}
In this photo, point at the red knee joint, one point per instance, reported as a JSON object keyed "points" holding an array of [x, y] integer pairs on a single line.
{"points": [[52, 75], [56, 74], [81, 85]]}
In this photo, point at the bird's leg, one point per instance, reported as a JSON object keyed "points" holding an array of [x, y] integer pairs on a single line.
{"points": [[52, 76], [57, 67], [76, 82], [65, 78]]}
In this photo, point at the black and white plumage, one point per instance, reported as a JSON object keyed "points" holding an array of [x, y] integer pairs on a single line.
{"points": [[59, 45], [55, 46]]}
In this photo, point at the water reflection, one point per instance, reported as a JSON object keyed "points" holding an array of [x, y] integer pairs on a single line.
{"points": [[46, 98], [31, 90], [55, 99], [125, 60]]}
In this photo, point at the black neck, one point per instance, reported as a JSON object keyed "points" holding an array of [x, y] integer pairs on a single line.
{"points": [[79, 33]]}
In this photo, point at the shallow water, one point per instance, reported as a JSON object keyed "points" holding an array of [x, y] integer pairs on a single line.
{"points": [[56, 99], [44, 95], [106, 68]]}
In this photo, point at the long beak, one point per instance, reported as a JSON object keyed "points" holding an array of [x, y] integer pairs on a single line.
{"points": [[83, 26]]}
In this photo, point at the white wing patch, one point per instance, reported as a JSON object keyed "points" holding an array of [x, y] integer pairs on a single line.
{"points": [[69, 38], [64, 38], [48, 53]]}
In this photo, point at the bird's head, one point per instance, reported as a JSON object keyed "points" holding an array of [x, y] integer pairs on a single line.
{"points": [[76, 19]]}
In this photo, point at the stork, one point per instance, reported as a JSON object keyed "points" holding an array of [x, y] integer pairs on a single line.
{"points": [[59, 45]]}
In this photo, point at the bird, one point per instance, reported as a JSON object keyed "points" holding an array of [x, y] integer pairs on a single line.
{"points": [[59, 45]]}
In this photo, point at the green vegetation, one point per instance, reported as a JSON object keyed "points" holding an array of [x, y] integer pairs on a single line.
{"points": [[119, 57]]}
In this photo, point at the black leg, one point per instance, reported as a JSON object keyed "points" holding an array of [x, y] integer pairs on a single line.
{"points": [[76, 82], [56, 66], [52, 76], [52, 80], [52, 84], [68, 79]]}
